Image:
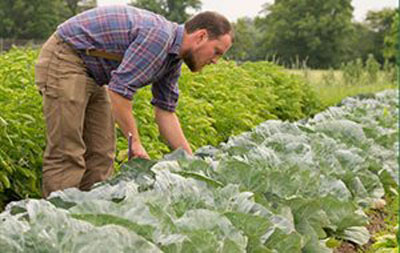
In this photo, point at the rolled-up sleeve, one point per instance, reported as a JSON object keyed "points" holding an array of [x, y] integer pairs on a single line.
{"points": [[141, 62], [166, 91]]}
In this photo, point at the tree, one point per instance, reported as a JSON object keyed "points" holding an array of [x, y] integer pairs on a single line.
{"points": [[361, 43], [36, 19], [391, 41], [22, 19], [380, 24], [77, 6], [312, 30], [174, 10], [245, 47]]}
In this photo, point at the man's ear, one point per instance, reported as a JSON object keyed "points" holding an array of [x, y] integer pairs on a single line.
{"points": [[201, 35]]}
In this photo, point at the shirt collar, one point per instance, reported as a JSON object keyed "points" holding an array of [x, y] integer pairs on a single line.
{"points": [[176, 45]]}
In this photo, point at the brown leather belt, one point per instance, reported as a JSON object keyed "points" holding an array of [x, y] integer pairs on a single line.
{"points": [[102, 54], [93, 52]]}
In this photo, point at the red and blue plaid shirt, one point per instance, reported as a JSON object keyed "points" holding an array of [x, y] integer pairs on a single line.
{"points": [[148, 42]]}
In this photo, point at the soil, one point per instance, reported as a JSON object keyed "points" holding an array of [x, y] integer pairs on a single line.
{"points": [[376, 224], [346, 247]]}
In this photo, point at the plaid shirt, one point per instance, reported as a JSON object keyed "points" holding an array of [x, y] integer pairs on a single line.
{"points": [[148, 42]]}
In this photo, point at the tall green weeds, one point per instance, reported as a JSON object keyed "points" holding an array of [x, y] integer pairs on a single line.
{"points": [[369, 72]]}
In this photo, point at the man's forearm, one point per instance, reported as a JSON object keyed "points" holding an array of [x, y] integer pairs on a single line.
{"points": [[170, 128], [121, 108], [122, 111]]}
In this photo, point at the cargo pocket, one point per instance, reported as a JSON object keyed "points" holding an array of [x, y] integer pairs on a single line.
{"points": [[73, 88], [46, 74]]}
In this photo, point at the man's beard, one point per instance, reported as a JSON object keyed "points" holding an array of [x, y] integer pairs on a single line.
{"points": [[189, 60]]}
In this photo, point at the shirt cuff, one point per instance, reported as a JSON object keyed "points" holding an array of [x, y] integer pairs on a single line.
{"points": [[126, 93], [171, 107]]}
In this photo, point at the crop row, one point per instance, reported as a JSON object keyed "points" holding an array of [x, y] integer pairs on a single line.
{"points": [[281, 187]]}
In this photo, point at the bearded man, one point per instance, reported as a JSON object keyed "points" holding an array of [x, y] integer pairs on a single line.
{"points": [[88, 72]]}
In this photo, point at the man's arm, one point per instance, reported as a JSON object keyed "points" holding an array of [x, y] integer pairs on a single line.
{"points": [[121, 109], [170, 128]]}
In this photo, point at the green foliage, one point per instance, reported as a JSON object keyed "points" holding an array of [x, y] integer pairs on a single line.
{"points": [[381, 24], [38, 19], [385, 244], [21, 126], [222, 101], [361, 42], [77, 6], [214, 104], [307, 29], [247, 38], [173, 10], [26, 20], [281, 187], [376, 35], [296, 99], [390, 71], [359, 73], [381, 20], [353, 71], [372, 68], [291, 32], [391, 40]]}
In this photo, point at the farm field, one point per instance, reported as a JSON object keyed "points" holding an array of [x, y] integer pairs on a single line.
{"points": [[209, 116], [281, 187], [292, 116], [247, 180]]}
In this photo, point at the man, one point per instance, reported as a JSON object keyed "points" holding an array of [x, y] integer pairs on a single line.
{"points": [[91, 67]]}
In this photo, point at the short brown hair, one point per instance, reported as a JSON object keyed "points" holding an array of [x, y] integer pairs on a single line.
{"points": [[215, 24]]}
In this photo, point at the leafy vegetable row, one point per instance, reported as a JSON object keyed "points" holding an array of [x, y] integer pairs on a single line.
{"points": [[281, 187]]}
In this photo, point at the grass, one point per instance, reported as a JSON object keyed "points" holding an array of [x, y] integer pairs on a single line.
{"points": [[331, 86], [332, 95]]}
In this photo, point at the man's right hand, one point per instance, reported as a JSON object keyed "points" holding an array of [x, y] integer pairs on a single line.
{"points": [[121, 108], [138, 151]]}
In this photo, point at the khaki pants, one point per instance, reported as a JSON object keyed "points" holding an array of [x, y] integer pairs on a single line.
{"points": [[80, 128]]}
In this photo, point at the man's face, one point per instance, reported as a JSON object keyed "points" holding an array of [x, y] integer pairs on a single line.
{"points": [[206, 51]]}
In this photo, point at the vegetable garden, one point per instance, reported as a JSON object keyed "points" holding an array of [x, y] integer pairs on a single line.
{"points": [[213, 106], [270, 174]]}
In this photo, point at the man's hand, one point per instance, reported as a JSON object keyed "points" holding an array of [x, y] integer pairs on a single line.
{"points": [[138, 151]]}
